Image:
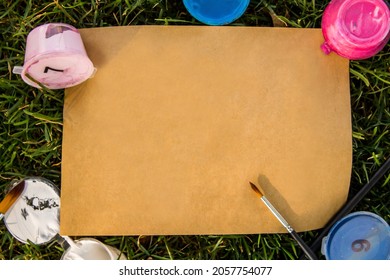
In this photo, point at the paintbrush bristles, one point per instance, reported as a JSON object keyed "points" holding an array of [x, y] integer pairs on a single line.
{"points": [[11, 197], [256, 189]]}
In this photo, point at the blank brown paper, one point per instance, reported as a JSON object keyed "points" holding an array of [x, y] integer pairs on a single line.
{"points": [[165, 138]]}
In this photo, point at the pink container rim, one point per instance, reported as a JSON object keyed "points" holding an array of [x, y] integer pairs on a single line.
{"points": [[60, 84]]}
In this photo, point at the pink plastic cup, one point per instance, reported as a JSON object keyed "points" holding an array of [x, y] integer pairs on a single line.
{"points": [[355, 29], [55, 57]]}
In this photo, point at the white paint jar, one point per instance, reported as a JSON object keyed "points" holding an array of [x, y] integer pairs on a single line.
{"points": [[91, 249]]}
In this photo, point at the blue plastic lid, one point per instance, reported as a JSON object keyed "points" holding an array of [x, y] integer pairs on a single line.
{"points": [[216, 12], [358, 236]]}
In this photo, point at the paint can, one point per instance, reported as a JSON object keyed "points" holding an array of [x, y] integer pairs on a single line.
{"points": [[358, 236], [55, 57], [355, 29], [91, 249], [34, 216], [216, 12]]}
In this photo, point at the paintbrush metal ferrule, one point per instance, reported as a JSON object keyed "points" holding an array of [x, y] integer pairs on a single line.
{"points": [[277, 214]]}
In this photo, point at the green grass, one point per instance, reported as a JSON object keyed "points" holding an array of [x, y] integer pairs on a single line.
{"points": [[31, 129]]}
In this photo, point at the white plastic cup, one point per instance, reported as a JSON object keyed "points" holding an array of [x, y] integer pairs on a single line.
{"points": [[55, 57], [91, 249]]}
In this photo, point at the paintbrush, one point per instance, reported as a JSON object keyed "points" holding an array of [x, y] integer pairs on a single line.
{"points": [[10, 198], [352, 203], [309, 253]]}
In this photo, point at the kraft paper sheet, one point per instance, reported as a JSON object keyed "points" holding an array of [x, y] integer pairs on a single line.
{"points": [[166, 136]]}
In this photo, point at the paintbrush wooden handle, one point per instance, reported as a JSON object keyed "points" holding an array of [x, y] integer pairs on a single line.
{"points": [[309, 253]]}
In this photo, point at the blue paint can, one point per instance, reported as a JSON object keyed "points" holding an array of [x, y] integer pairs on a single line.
{"points": [[358, 236], [216, 12]]}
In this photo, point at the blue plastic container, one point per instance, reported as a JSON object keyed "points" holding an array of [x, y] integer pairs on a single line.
{"points": [[216, 12], [358, 236]]}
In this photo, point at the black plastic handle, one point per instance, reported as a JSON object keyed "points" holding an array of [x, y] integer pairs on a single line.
{"points": [[309, 253]]}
